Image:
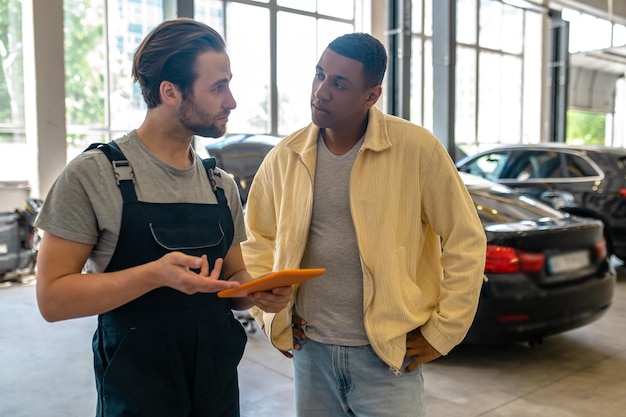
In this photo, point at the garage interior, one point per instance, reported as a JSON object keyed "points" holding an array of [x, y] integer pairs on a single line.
{"points": [[46, 369]]}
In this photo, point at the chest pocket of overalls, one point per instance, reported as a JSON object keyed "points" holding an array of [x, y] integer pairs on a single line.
{"points": [[191, 228], [177, 237]]}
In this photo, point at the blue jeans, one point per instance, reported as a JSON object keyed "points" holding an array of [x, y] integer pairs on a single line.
{"points": [[339, 381]]}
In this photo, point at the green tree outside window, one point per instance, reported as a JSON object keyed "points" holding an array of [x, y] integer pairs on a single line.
{"points": [[585, 128]]}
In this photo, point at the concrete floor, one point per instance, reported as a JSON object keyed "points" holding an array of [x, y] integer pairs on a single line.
{"points": [[46, 370]]}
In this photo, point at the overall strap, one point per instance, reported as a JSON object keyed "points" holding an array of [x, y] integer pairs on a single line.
{"points": [[216, 180], [124, 176]]}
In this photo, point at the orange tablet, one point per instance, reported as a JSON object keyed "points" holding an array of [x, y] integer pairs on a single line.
{"points": [[272, 280]]}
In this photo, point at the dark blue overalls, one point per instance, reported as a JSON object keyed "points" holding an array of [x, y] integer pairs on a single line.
{"points": [[168, 354]]}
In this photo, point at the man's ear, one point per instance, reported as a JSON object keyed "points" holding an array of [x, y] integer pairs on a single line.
{"points": [[170, 94], [373, 95]]}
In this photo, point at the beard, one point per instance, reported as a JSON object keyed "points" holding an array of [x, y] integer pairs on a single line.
{"points": [[200, 123]]}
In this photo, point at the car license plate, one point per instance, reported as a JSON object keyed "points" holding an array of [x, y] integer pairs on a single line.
{"points": [[4, 248], [568, 262]]}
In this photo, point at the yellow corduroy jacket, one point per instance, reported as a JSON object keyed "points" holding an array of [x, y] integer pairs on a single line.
{"points": [[421, 243]]}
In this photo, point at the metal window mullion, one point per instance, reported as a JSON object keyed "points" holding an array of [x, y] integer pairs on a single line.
{"points": [[477, 75], [274, 97], [422, 40], [444, 72], [399, 50], [523, 57], [107, 79]]}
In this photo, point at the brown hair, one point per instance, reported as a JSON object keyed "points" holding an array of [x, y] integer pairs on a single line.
{"points": [[169, 53]]}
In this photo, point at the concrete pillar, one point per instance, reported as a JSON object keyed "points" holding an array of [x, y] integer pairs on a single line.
{"points": [[44, 93]]}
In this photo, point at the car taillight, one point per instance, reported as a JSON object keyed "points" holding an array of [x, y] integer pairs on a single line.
{"points": [[513, 318], [622, 191], [601, 249], [507, 260]]}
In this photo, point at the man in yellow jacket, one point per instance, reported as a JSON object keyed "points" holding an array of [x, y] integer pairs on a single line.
{"points": [[378, 202]]}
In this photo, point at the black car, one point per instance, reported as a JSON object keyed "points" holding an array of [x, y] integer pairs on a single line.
{"points": [[546, 270], [587, 181], [241, 155]]}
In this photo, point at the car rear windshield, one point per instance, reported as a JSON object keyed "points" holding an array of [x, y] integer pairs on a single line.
{"points": [[499, 205]]}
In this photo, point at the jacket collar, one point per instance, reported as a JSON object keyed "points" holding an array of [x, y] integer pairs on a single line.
{"points": [[376, 138]]}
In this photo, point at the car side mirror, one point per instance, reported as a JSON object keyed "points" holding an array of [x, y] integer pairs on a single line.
{"points": [[557, 199]]}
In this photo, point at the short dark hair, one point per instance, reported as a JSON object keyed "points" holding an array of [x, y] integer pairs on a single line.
{"points": [[169, 53], [367, 50]]}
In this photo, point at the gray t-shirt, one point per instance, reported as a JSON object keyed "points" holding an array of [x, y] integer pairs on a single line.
{"points": [[332, 304], [85, 203]]}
